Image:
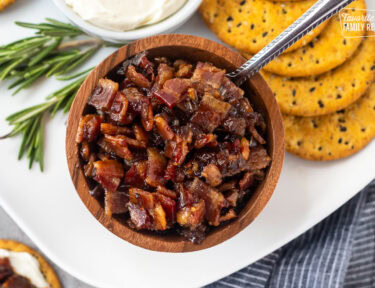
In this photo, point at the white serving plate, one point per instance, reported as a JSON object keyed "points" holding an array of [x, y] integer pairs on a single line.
{"points": [[49, 210]]}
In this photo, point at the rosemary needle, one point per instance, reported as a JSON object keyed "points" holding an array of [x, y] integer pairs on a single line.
{"points": [[51, 51], [29, 122]]}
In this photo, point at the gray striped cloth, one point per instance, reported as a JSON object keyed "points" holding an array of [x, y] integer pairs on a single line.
{"points": [[338, 252]]}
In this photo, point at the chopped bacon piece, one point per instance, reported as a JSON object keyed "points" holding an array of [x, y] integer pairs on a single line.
{"points": [[140, 104], [89, 128], [169, 206], [235, 125], [192, 216], [116, 145], [191, 169], [104, 94], [247, 181], [17, 281], [207, 77], [133, 142], [110, 129], [212, 175], [155, 168], [214, 200], [259, 158], [227, 186], [137, 78], [89, 167], [173, 91], [174, 173], [230, 91], [147, 117], [5, 269], [142, 61], [142, 198], [177, 150], [109, 174], [166, 192], [211, 113], [231, 214], [164, 130], [245, 148], [140, 134], [117, 112], [192, 94], [160, 218], [136, 175], [185, 70], [232, 197], [205, 139], [115, 203], [186, 197], [139, 217], [85, 151], [165, 72]]}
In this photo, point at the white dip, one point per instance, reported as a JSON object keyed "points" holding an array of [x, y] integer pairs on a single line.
{"points": [[25, 265], [124, 15]]}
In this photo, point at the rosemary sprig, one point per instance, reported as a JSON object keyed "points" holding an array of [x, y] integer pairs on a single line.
{"points": [[46, 53], [29, 122]]}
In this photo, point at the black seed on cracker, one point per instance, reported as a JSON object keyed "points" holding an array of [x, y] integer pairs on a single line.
{"points": [[252, 26], [230, 18], [338, 96], [265, 34], [321, 104], [343, 129], [340, 140], [312, 89], [284, 11], [243, 2], [363, 129], [294, 92], [372, 68], [320, 148]]}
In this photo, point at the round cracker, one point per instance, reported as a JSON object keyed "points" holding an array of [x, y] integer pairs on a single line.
{"points": [[324, 53], [249, 25], [329, 92], [45, 268], [5, 3], [333, 136]]}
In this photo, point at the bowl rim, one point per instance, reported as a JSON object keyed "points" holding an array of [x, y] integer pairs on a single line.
{"points": [[173, 21], [263, 192]]}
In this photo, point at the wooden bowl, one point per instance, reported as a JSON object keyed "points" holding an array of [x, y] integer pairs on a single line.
{"points": [[194, 49]]}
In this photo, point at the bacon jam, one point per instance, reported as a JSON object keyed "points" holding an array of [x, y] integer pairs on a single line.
{"points": [[10, 279], [172, 146]]}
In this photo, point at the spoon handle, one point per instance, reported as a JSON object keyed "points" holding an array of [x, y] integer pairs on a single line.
{"points": [[317, 14]]}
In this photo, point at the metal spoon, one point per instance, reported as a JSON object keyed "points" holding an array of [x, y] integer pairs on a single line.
{"points": [[317, 14]]}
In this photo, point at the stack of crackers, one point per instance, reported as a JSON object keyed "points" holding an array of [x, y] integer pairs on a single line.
{"points": [[323, 83]]}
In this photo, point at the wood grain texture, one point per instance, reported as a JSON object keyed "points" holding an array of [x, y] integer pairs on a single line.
{"points": [[194, 49]]}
